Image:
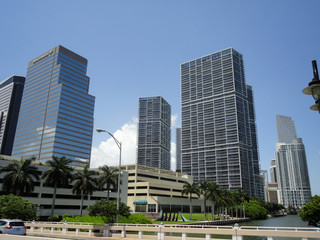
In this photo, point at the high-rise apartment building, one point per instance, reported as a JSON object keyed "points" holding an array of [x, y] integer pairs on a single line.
{"points": [[291, 165], [154, 136], [178, 149], [265, 181], [11, 90], [56, 115], [218, 133], [286, 129], [273, 172]]}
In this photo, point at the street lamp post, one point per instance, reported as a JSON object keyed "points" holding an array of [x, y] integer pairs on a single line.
{"points": [[119, 174], [314, 87]]}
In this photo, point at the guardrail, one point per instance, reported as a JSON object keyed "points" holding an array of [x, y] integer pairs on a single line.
{"points": [[160, 231]]}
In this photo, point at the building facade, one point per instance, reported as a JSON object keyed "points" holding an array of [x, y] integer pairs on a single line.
{"points": [[152, 190], [66, 202], [178, 149], [56, 115], [218, 135], [291, 166], [273, 171], [286, 129], [273, 193], [11, 90], [154, 135]]}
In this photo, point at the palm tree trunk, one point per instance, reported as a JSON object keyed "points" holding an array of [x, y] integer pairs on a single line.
{"points": [[244, 211], [205, 210], [212, 210], [81, 205], [108, 192], [236, 211], [190, 207], [53, 200]]}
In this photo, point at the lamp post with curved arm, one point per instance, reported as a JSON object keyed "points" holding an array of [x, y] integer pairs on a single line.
{"points": [[119, 175], [314, 88]]}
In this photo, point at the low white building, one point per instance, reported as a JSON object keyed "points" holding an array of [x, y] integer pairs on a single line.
{"points": [[66, 202]]}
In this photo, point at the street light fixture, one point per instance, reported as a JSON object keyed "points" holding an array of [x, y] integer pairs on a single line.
{"points": [[119, 146], [314, 87]]}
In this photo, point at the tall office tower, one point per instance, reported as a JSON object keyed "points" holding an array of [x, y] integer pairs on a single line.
{"points": [[178, 149], [154, 136], [219, 139], [264, 177], [286, 129], [291, 165], [11, 90], [273, 172], [56, 115]]}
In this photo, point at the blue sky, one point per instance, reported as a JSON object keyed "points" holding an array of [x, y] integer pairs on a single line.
{"points": [[135, 48]]}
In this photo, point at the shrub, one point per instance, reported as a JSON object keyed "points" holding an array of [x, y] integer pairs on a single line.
{"points": [[254, 210], [12, 207]]}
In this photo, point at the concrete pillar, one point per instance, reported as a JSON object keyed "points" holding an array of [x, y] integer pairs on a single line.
{"points": [[123, 233], [41, 229], [140, 234], [270, 238], [77, 231], [107, 233], [304, 239], [208, 236], [184, 236], [52, 230], [90, 232], [237, 237]]}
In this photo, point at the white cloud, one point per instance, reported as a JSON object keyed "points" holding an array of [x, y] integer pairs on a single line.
{"points": [[108, 152], [174, 119]]}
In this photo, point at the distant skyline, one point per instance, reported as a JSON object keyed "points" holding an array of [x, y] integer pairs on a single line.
{"points": [[135, 48]]}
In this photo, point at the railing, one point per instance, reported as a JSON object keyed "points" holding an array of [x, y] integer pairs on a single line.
{"points": [[160, 231]]}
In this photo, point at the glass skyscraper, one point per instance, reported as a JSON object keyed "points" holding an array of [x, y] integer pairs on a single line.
{"points": [[218, 133], [286, 129], [291, 165], [11, 90], [154, 135], [56, 115], [178, 149]]}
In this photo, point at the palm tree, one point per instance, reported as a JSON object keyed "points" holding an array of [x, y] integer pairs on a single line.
{"points": [[108, 179], [59, 175], [212, 195], [20, 177], [203, 187], [189, 189], [85, 184], [243, 196], [221, 201]]}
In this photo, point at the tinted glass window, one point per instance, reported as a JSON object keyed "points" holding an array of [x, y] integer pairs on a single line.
{"points": [[2, 223], [16, 224]]}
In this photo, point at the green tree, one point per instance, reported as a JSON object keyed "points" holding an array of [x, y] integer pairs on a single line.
{"points": [[107, 210], [108, 179], [16, 207], [311, 211], [20, 177], [85, 184], [58, 175], [255, 211], [212, 195], [203, 187], [189, 189]]}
